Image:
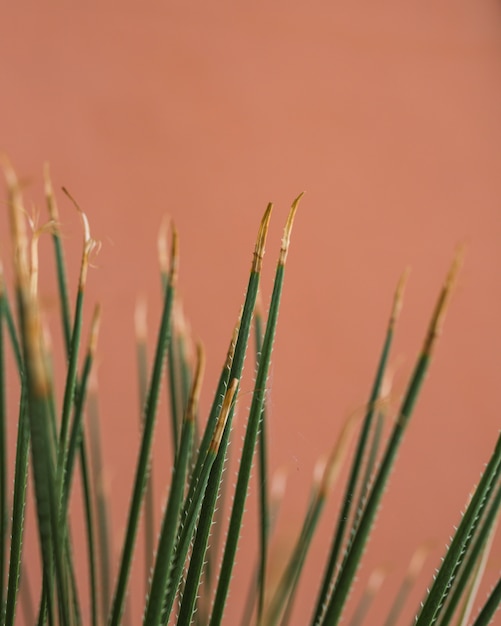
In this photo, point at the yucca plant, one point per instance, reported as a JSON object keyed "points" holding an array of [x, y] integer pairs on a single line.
{"points": [[186, 580]]}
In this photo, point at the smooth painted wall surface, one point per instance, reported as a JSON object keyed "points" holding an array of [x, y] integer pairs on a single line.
{"points": [[388, 117]]}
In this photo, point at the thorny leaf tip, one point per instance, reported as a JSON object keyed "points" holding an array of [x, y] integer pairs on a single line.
{"points": [[399, 296], [90, 244], [438, 317], [261, 239], [288, 229]]}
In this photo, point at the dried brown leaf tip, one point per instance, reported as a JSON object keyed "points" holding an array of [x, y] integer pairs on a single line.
{"points": [[197, 383], [50, 197], [223, 416], [261, 240], [174, 256], [17, 223], [37, 232], [399, 296], [90, 244], [437, 320], [288, 229], [32, 327]]}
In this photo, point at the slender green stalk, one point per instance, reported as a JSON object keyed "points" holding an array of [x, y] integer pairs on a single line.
{"points": [[76, 434], [77, 441], [352, 559], [475, 581], [4, 513], [490, 607], [461, 541], [211, 553], [205, 523], [20, 475], [374, 447], [212, 420], [13, 334], [67, 447], [69, 391], [173, 383], [353, 480], [60, 265], [264, 520], [43, 612], [174, 395], [89, 525], [171, 518], [276, 496], [205, 492], [71, 376], [252, 429], [185, 368], [26, 598], [62, 552], [72, 391], [18, 506], [198, 556], [144, 454], [467, 567], [103, 535], [142, 373]]}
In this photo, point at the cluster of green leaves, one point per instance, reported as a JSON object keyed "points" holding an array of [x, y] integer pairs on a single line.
{"points": [[183, 583]]}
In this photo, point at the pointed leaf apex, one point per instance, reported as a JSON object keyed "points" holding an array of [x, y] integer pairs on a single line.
{"points": [[50, 198], [399, 296], [437, 320], [261, 239], [89, 243], [197, 383], [17, 223], [174, 255], [287, 230]]}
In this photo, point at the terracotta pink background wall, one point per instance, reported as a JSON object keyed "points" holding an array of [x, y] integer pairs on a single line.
{"points": [[388, 116]]}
